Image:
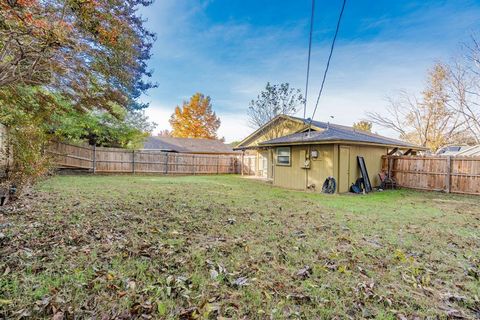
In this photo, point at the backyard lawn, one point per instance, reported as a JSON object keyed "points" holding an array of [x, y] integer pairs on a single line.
{"points": [[122, 247]]}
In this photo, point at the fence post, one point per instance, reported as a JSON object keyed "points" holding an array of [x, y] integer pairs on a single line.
{"points": [[94, 162], [448, 176], [133, 161], [193, 164], [241, 164], [166, 162], [390, 166], [218, 160]]}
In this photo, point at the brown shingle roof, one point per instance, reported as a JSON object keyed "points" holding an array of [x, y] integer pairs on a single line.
{"points": [[187, 145], [324, 132]]}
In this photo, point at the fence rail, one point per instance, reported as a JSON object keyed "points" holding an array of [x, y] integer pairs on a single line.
{"points": [[448, 174], [115, 160]]}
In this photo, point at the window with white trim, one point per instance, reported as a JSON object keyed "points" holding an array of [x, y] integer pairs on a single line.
{"points": [[283, 156]]}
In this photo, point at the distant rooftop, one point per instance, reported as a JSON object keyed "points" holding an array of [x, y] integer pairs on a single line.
{"points": [[187, 145], [463, 150]]}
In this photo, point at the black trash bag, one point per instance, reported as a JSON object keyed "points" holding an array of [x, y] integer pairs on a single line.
{"points": [[360, 184], [355, 188], [329, 186]]}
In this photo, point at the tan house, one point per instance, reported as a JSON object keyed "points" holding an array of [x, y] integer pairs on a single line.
{"points": [[295, 154]]}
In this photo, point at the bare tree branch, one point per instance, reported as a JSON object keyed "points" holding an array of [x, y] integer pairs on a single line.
{"points": [[431, 121]]}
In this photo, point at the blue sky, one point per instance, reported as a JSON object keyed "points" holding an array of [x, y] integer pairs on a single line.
{"points": [[229, 49]]}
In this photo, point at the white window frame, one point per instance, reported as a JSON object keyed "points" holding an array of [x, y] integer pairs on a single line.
{"points": [[277, 151]]}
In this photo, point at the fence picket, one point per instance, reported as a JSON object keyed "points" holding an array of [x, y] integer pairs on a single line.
{"points": [[448, 174], [115, 160]]}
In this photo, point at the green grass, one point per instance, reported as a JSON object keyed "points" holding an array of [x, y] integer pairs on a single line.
{"points": [[222, 246]]}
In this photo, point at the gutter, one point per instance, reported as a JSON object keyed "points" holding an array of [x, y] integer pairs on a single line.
{"points": [[344, 142], [249, 148]]}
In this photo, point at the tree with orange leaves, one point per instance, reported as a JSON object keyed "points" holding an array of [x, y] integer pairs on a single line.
{"points": [[195, 119]]}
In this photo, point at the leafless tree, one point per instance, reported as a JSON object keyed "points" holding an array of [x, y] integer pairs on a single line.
{"points": [[427, 121], [464, 86]]}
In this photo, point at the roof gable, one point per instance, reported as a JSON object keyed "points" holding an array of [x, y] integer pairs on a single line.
{"points": [[279, 126]]}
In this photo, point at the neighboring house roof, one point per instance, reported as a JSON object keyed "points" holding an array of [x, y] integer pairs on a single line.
{"points": [[187, 145], [459, 151], [323, 132], [450, 150], [472, 151]]}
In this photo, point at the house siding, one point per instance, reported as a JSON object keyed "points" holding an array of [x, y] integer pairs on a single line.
{"points": [[322, 167], [327, 164], [281, 127], [373, 160], [292, 176]]}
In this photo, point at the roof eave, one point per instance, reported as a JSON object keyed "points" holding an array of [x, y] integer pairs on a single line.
{"points": [[249, 148], [344, 142]]}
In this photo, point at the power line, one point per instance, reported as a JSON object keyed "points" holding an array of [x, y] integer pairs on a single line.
{"points": [[309, 55], [328, 62]]}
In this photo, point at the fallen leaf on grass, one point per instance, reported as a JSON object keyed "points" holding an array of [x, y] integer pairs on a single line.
{"points": [[304, 273], [299, 298], [131, 285], [213, 274], [189, 313], [299, 234], [240, 282], [455, 298]]}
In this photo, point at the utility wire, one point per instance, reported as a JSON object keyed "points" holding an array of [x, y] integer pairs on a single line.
{"points": [[328, 64], [308, 61]]}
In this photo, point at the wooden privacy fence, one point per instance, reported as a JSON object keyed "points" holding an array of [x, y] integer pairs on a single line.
{"points": [[116, 160], [449, 174]]}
